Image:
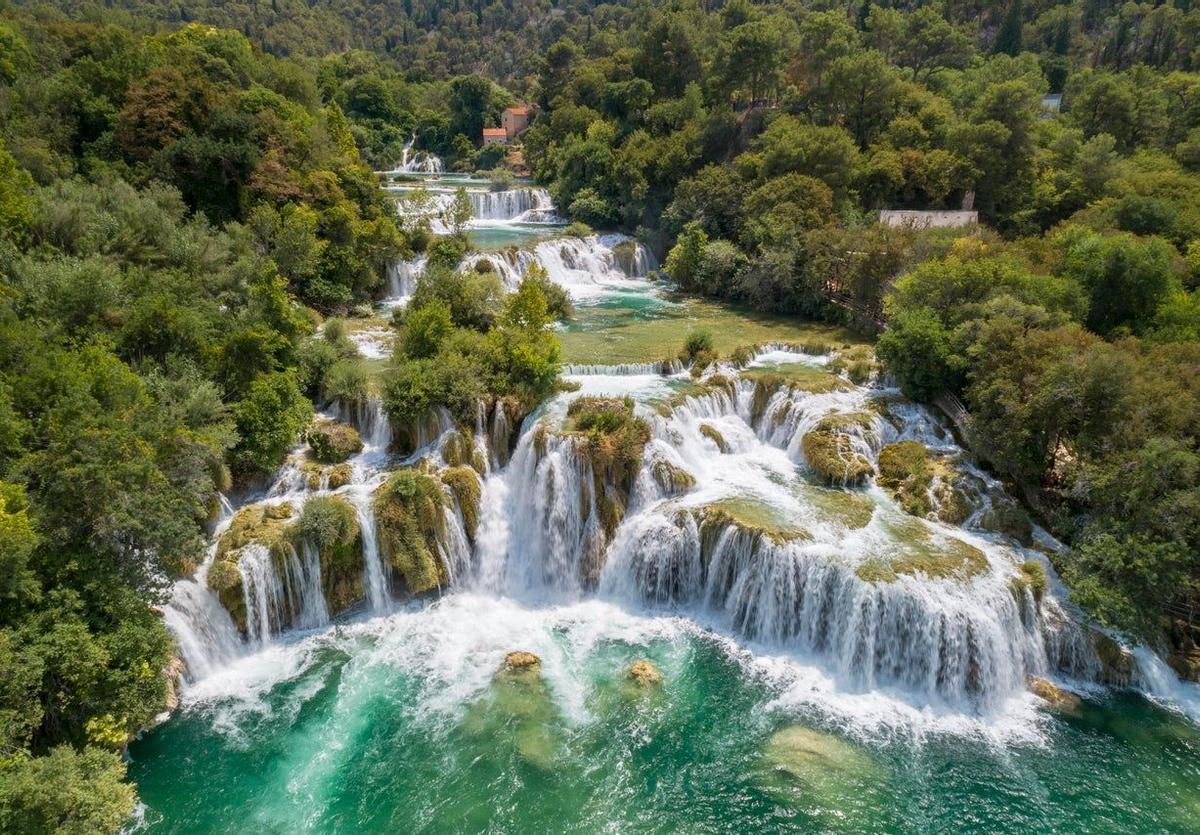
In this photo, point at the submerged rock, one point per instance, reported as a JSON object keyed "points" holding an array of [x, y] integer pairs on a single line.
{"points": [[643, 673], [1061, 700], [815, 757]]}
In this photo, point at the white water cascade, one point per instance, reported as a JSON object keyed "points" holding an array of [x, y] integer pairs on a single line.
{"points": [[584, 267], [517, 205], [417, 162]]}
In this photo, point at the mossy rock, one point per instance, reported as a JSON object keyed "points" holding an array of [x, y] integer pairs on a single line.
{"points": [[332, 442], [829, 450], [1006, 517], [330, 524], [713, 434], [922, 484], [919, 551], [339, 476], [1116, 662], [857, 362], [794, 376], [1063, 701], [263, 524], [612, 440], [459, 451], [672, 480], [465, 485], [643, 673], [268, 525], [409, 510], [1031, 577], [753, 516]]}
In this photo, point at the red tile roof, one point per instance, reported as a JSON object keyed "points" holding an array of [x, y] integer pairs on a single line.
{"points": [[494, 132], [519, 111]]}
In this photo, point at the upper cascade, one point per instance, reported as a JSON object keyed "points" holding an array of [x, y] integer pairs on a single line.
{"points": [[583, 267]]}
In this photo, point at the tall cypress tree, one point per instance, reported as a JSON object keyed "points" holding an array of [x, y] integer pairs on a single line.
{"points": [[1010, 39]]}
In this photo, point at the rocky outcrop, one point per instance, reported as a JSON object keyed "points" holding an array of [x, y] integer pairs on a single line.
{"points": [[829, 448], [409, 514], [332, 442], [643, 673]]}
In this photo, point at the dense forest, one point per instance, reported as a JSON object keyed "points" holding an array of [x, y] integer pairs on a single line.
{"points": [[186, 190]]}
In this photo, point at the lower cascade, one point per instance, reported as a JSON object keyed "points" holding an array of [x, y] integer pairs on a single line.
{"points": [[764, 505]]}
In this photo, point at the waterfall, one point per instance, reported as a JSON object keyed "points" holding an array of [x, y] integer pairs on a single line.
{"points": [[583, 266], [539, 526], [402, 280], [958, 646], [518, 205], [376, 573], [419, 162]]}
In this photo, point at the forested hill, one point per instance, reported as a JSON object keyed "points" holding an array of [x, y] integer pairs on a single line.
{"points": [[504, 39]]}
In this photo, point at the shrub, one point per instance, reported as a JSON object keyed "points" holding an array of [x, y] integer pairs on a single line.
{"points": [[347, 381]]}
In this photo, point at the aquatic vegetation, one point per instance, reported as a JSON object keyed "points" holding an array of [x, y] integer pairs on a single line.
{"points": [[922, 552]]}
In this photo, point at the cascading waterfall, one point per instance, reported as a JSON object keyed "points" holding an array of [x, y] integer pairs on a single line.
{"points": [[402, 280], [582, 266], [419, 162], [965, 642], [517, 205]]}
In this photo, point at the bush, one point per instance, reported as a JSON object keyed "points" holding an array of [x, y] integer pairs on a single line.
{"points": [[425, 329], [326, 521], [347, 381], [698, 342], [66, 791], [578, 229], [917, 349], [269, 419]]}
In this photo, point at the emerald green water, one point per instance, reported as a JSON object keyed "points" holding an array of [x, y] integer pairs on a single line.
{"points": [[396, 725]]}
